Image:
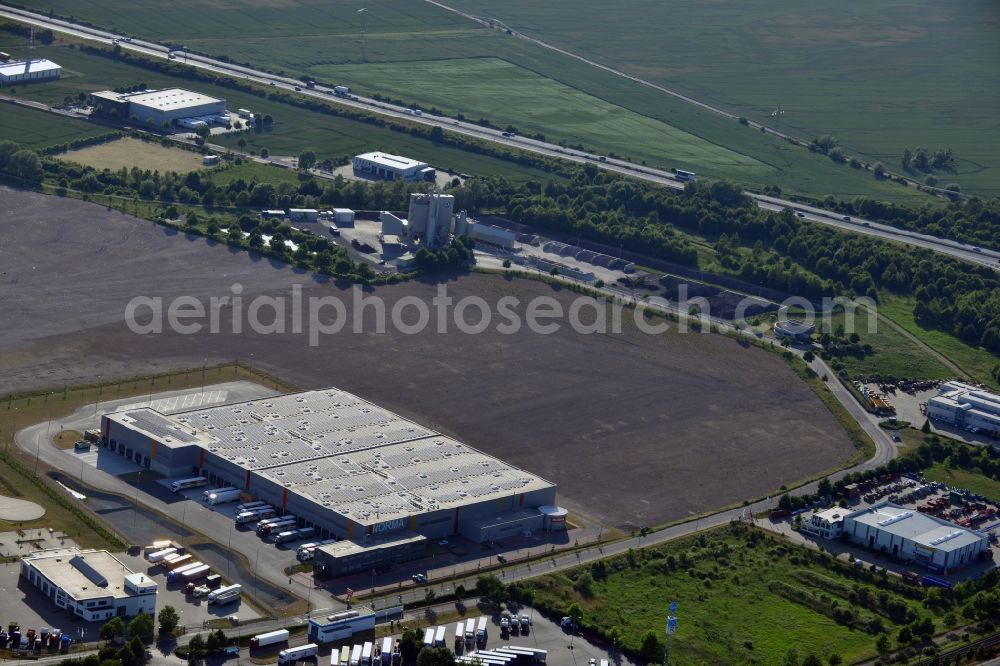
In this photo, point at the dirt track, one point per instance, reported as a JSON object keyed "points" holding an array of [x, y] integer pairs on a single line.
{"points": [[635, 429]]}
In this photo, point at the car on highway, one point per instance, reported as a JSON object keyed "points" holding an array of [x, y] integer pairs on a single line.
{"points": [[977, 249], [298, 89], [846, 218], [418, 578], [800, 214]]}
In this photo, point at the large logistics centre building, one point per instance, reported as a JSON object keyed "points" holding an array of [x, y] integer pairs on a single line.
{"points": [[340, 464], [157, 107]]}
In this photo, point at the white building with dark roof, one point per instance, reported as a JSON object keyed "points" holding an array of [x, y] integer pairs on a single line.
{"points": [[28, 71], [909, 534], [92, 584]]}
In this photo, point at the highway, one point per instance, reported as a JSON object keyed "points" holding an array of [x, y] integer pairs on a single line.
{"points": [[978, 256]]}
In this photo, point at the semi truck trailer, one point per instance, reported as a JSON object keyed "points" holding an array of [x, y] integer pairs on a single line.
{"points": [[270, 638]]}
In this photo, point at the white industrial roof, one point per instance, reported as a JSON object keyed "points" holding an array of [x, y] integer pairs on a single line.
{"points": [[59, 566], [342, 452], [928, 531], [969, 398], [17, 68], [170, 99], [832, 515], [345, 548], [391, 161]]}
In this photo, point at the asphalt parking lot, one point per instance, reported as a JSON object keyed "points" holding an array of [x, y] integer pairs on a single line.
{"points": [[564, 648]]}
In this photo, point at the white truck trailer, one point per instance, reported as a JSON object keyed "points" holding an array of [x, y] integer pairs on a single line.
{"points": [[270, 638], [481, 634], [225, 595], [292, 655], [223, 496], [160, 555]]}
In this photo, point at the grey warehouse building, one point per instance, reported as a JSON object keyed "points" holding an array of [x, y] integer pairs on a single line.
{"points": [[347, 467], [157, 107], [937, 544]]}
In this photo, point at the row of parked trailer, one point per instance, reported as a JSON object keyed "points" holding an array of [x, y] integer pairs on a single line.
{"points": [[184, 569], [504, 656], [384, 653], [470, 631]]}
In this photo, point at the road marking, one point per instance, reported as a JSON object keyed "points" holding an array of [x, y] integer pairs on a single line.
{"points": [[187, 401]]}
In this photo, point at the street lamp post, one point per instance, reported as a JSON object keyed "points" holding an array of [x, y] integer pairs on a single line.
{"points": [[135, 502]]}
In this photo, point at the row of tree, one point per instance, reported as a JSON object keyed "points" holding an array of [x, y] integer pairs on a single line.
{"points": [[788, 253], [974, 221]]}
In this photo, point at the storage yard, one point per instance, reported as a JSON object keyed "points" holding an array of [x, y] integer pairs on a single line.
{"points": [[635, 430]]}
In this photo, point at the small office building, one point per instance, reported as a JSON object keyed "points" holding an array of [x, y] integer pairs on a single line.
{"points": [[93, 585]]}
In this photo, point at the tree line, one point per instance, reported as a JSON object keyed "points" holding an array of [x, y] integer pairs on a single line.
{"points": [[785, 252], [975, 221]]}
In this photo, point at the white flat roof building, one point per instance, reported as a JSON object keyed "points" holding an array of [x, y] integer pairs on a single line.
{"points": [[341, 464], [93, 584], [163, 106], [909, 534], [26, 71], [965, 406], [391, 167], [828, 524]]}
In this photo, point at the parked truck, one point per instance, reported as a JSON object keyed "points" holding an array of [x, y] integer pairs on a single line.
{"points": [[295, 535], [292, 655], [270, 638], [280, 525], [470, 631], [481, 631], [160, 555], [197, 573], [175, 575], [187, 484], [223, 496], [174, 563], [439, 636], [225, 595], [207, 493], [254, 515], [249, 506]]}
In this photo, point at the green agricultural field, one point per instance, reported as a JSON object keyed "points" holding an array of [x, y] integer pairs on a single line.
{"points": [[483, 87], [295, 130], [742, 598], [881, 75], [299, 37], [960, 478], [36, 129]]}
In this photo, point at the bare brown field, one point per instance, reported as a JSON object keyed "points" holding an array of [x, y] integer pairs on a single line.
{"points": [[128, 152], [636, 429]]}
